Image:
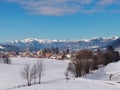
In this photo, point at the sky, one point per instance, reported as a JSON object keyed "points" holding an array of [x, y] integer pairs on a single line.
{"points": [[59, 19]]}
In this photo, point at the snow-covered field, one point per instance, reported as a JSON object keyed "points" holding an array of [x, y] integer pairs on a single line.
{"points": [[54, 79]]}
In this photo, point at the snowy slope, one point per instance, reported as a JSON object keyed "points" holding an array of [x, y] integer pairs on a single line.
{"points": [[10, 74], [53, 78], [104, 73]]}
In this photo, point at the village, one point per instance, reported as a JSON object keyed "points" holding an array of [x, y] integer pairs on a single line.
{"points": [[59, 55]]}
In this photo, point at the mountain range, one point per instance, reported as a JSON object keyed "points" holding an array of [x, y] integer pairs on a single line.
{"points": [[32, 44]]}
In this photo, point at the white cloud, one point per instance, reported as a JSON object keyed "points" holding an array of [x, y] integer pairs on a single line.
{"points": [[52, 7], [63, 7], [108, 2], [59, 7], [50, 10]]}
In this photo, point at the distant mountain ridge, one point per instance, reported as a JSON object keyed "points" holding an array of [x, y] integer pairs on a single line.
{"points": [[37, 44]]}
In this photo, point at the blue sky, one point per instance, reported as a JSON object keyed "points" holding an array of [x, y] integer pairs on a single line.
{"points": [[59, 19]]}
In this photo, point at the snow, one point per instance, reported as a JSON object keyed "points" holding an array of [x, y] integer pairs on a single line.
{"points": [[86, 40], [104, 73], [105, 39], [1, 47], [95, 46], [29, 40], [14, 41], [113, 38], [115, 68], [53, 77]]}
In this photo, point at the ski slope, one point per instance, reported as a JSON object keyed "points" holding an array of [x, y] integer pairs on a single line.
{"points": [[54, 79]]}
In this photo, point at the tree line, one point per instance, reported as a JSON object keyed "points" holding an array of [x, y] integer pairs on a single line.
{"points": [[85, 61], [5, 59]]}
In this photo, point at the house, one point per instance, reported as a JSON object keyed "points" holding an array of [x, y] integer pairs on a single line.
{"points": [[48, 55], [39, 52], [68, 56]]}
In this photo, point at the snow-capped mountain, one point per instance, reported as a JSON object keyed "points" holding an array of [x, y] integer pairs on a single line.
{"points": [[37, 44]]}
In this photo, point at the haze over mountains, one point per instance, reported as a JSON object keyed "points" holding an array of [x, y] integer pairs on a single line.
{"points": [[37, 44]]}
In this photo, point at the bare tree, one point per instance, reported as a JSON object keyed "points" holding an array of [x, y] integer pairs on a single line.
{"points": [[34, 73], [71, 70], [110, 77], [40, 70], [30, 73], [25, 73]]}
